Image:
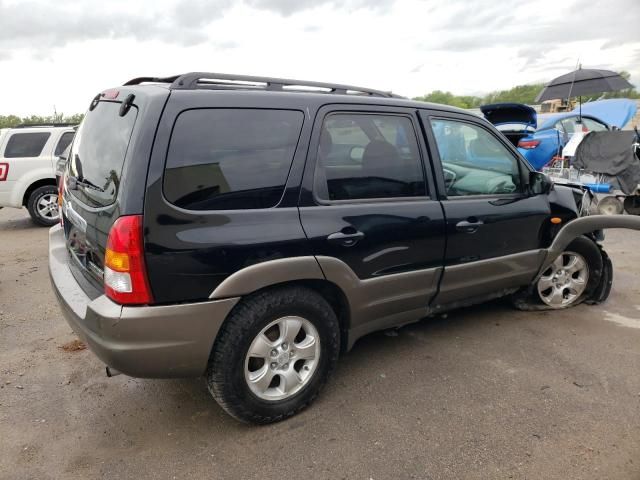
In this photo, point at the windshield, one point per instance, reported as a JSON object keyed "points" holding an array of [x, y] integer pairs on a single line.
{"points": [[98, 153]]}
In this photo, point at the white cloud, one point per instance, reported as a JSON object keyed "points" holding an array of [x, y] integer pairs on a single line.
{"points": [[57, 53]]}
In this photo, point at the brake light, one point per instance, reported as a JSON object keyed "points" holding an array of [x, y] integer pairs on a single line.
{"points": [[528, 144], [110, 94], [4, 171], [125, 275]]}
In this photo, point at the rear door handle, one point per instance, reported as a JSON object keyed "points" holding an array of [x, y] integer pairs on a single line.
{"points": [[345, 239], [469, 226]]}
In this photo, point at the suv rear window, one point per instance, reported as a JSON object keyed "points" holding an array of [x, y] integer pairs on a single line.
{"points": [[98, 153], [227, 159], [28, 144]]}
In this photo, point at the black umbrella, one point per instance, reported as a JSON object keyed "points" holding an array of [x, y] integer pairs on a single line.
{"points": [[582, 82]]}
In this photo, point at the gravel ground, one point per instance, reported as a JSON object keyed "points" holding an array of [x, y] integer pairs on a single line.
{"points": [[486, 393]]}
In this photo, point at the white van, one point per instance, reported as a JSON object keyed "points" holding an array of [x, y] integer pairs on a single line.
{"points": [[28, 155]]}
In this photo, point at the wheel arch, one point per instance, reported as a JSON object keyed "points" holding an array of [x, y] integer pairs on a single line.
{"points": [[334, 296], [585, 225], [37, 184], [299, 271]]}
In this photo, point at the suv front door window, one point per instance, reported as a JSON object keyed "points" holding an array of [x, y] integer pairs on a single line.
{"points": [[474, 161]]}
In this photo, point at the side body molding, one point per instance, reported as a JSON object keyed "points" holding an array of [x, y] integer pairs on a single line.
{"points": [[374, 304], [583, 225], [382, 302]]}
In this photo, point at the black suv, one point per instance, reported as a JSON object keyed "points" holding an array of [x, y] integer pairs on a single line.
{"points": [[250, 229]]}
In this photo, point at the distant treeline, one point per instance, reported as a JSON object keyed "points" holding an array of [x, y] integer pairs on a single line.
{"points": [[520, 94], [7, 121]]}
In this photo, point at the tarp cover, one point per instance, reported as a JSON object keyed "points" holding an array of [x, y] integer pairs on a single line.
{"points": [[610, 153]]}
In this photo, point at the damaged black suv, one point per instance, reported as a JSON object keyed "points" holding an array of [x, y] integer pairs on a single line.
{"points": [[250, 229]]}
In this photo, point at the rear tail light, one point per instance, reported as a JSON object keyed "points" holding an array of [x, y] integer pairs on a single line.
{"points": [[528, 144], [125, 275]]}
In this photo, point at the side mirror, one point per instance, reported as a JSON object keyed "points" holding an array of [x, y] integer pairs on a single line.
{"points": [[539, 183]]}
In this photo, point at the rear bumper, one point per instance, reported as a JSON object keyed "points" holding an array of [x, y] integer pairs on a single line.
{"points": [[147, 341]]}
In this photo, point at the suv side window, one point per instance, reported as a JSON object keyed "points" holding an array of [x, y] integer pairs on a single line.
{"points": [[474, 162], [366, 156], [28, 144], [63, 143], [229, 159]]}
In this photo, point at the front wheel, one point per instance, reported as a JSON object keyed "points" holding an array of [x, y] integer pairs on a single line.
{"points": [[273, 354], [43, 206], [572, 278]]}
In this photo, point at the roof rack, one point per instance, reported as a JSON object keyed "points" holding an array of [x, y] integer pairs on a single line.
{"points": [[223, 81], [46, 124]]}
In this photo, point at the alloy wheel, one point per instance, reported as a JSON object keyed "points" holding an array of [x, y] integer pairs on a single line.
{"points": [[47, 206], [564, 281], [282, 358]]}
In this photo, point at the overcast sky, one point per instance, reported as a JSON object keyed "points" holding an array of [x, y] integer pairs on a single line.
{"points": [[61, 53]]}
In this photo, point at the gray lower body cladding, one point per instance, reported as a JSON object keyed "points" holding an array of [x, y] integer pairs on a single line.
{"points": [[146, 341]]}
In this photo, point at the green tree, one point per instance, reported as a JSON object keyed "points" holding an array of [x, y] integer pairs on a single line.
{"points": [[518, 94], [8, 121]]}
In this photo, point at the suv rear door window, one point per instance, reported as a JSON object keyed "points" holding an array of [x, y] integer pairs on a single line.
{"points": [[366, 156], [98, 153], [63, 143], [28, 144], [227, 159]]}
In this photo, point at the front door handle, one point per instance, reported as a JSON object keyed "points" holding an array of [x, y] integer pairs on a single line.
{"points": [[468, 226], [346, 239]]}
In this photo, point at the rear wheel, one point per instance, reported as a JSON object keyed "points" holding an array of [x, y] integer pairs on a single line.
{"points": [[43, 206], [273, 354]]}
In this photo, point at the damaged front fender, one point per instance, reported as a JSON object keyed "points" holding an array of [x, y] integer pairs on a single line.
{"points": [[581, 226]]}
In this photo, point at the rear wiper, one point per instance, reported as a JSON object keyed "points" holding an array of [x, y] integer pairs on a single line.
{"points": [[75, 181]]}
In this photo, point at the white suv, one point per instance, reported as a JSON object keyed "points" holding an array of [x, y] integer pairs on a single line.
{"points": [[28, 155]]}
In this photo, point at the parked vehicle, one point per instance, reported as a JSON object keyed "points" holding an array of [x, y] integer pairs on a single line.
{"points": [[540, 137], [249, 229], [27, 168]]}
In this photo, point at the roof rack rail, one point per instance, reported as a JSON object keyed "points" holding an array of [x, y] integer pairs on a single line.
{"points": [[139, 80], [46, 124], [195, 80]]}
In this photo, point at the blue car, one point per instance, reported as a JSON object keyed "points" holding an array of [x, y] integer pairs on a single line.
{"points": [[540, 137]]}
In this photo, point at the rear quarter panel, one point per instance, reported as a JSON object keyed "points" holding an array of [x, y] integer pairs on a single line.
{"points": [[190, 253]]}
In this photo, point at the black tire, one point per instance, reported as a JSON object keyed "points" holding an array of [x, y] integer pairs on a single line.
{"points": [[32, 205], [529, 299], [632, 204], [225, 375]]}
